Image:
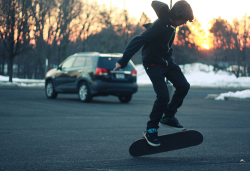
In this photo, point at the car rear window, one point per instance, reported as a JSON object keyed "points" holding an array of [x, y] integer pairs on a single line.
{"points": [[109, 63]]}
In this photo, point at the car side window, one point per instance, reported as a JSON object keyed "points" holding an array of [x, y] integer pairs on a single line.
{"points": [[94, 61], [79, 62], [88, 61], [68, 63]]}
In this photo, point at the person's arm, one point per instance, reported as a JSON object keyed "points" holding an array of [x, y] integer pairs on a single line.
{"points": [[137, 42]]}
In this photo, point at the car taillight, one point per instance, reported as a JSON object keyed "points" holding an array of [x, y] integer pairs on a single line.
{"points": [[101, 71], [134, 73]]}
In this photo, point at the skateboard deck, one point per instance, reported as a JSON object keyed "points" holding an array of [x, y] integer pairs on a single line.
{"points": [[169, 142]]}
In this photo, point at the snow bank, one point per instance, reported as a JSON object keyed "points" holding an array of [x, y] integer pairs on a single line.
{"points": [[20, 80], [238, 94], [201, 75], [197, 74]]}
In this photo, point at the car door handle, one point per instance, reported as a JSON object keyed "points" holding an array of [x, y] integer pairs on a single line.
{"points": [[80, 70]]}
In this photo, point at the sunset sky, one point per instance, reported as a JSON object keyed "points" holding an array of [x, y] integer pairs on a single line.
{"points": [[204, 11]]}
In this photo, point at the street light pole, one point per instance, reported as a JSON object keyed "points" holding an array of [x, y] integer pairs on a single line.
{"points": [[167, 82], [45, 67]]}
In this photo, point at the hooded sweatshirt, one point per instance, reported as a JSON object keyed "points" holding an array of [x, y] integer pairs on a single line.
{"points": [[156, 40]]}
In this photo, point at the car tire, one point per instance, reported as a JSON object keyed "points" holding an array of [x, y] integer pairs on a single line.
{"points": [[125, 98], [50, 90], [84, 92]]}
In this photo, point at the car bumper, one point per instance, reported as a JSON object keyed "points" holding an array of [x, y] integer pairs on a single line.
{"points": [[117, 89]]}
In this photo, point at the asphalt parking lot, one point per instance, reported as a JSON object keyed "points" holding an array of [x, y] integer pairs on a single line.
{"points": [[65, 134]]}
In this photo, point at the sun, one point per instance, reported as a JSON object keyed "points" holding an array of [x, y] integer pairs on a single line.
{"points": [[205, 46]]}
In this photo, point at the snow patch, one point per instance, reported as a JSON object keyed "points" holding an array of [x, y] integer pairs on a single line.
{"points": [[238, 94], [201, 75], [197, 74]]}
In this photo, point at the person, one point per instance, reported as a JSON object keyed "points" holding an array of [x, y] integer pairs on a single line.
{"points": [[157, 60]]}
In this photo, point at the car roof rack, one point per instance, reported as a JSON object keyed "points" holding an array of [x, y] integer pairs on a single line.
{"points": [[100, 54]]}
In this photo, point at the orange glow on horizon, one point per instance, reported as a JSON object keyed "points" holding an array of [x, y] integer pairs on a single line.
{"points": [[205, 46], [200, 37], [203, 40]]}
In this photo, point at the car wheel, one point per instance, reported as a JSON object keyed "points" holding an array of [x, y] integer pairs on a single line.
{"points": [[125, 98], [50, 90], [84, 92]]}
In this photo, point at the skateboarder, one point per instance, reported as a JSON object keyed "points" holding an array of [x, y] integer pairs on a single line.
{"points": [[158, 63]]}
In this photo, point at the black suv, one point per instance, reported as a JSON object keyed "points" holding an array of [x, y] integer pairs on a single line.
{"points": [[91, 74]]}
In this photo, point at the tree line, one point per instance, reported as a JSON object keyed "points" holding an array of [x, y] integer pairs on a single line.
{"points": [[232, 42], [32, 31]]}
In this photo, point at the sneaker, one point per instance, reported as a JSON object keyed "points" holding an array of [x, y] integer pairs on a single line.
{"points": [[151, 136], [172, 123]]}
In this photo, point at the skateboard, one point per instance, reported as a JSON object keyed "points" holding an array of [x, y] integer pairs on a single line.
{"points": [[169, 142]]}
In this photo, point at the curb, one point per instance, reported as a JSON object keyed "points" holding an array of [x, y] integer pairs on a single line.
{"points": [[212, 96], [21, 88], [220, 88], [237, 99], [17, 85]]}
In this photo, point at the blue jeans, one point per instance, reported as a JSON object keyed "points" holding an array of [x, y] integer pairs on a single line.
{"points": [[162, 106]]}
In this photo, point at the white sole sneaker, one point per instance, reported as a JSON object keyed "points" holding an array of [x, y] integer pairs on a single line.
{"points": [[154, 145], [178, 129]]}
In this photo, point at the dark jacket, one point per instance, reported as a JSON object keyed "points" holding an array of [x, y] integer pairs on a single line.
{"points": [[156, 40]]}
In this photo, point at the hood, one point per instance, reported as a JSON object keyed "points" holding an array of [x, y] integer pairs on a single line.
{"points": [[160, 9], [147, 25], [51, 72]]}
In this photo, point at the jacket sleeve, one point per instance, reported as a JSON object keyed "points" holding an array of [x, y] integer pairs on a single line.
{"points": [[137, 42]]}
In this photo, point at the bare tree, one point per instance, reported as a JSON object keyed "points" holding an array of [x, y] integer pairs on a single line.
{"points": [[237, 44], [44, 34], [14, 32], [223, 36], [68, 11], [93, 20], [2, 58], [245, 41]]}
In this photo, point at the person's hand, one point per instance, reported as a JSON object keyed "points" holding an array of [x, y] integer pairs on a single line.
{"points": [[117, 66]]}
